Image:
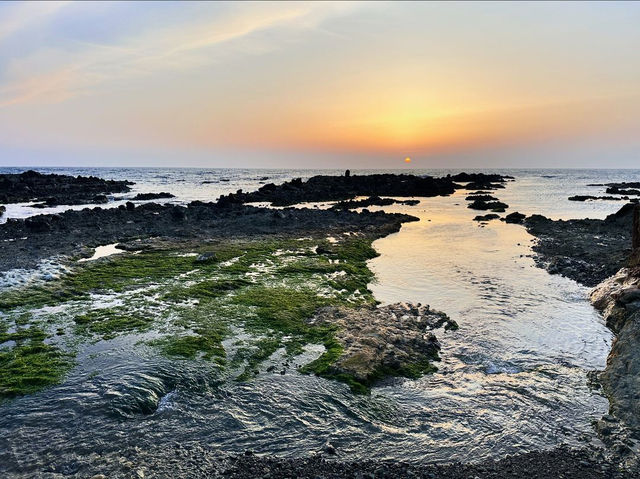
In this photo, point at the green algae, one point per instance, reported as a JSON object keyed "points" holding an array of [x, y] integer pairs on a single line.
{"points": [[29, 367], [27, 363], [269, 288], [206, 345], [281, 309], [205, 290], [32, 333], [263, 349], [109, 322], [333, 350]]}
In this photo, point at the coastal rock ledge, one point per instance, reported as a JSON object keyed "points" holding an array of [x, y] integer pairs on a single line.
{"points": [[393, 340], [618, 298]]}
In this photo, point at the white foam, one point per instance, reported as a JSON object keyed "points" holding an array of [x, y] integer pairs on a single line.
{"points": [[46, 270], [504, 368], [166, 402]]}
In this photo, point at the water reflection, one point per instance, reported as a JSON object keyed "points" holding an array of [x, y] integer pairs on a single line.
{"points": [[512, 378]]}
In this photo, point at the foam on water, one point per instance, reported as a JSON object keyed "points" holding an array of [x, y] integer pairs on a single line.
{"points": [[46, 270]]}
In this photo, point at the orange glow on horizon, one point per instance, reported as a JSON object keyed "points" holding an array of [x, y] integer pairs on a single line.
{"points": [[407, 160]]}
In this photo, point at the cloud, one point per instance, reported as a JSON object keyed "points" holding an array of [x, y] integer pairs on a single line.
{"points": [[81, 66], [19, 16]]}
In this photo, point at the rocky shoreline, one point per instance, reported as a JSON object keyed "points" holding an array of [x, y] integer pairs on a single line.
{"points": [[606, 254], [346, 187], [626, 191], [179, 461], [588, 251], [25, 242], [53, 189]]}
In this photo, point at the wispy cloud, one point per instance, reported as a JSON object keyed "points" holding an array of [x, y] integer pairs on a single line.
{"points": [[85, 65], [19, 16]]}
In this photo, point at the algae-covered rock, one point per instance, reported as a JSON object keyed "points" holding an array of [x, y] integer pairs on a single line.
{"points": [[394, 340]]}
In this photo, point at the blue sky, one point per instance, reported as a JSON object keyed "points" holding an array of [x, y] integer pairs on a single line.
{"points": [[324, 84]]}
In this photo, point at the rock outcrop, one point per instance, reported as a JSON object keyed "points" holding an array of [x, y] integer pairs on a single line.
{"points": [[372, 201], [618, 298], [591, 197], [481, 181], [338, 188], [586, 250], [390, 340], [24, 242], [515, 217], [54, 189], [152, 196]]}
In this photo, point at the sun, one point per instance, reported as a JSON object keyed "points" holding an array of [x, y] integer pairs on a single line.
{"points": [[407, 160]]}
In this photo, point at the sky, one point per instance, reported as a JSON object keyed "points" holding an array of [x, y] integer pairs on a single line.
{"points": [[320, 84]]}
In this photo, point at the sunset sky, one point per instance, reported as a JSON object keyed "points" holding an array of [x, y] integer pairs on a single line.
{"points": [[320, 84]]}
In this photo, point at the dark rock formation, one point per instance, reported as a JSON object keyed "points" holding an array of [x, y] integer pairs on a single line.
{"points": [[621, 377], [496, 206], [382, 341], [616, 190], [57, 189], [515, 217], [589, 198], [337, 188], [152, 196], [489, 217], [480, 197], [483, 186], [635, 235], [332, 188], [372, 201], [618, 298], [481, 178], [585, 250], [23, 242], [623, 184]]}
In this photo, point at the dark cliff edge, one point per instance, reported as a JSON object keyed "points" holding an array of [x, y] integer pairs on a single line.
{"points": [[618, 298]]}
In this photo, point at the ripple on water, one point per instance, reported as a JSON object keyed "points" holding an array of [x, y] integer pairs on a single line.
{"points": [[512, 378]]}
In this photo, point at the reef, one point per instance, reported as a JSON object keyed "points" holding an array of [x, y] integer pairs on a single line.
{"points": [[338, 188], [53, 189], [585, 250], [216, 267], [152, 196], [371, 201]]}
